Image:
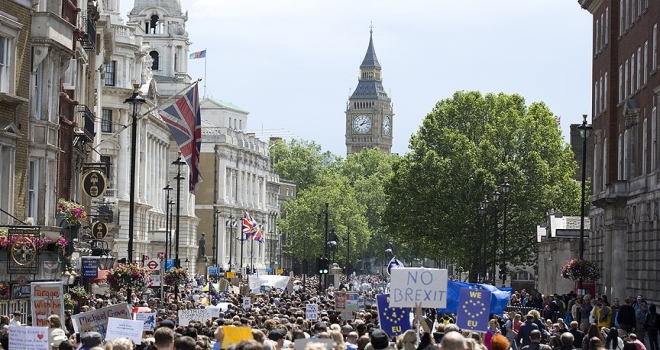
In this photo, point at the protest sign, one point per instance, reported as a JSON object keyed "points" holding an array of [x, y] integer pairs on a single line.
{"points": [[301, 344], [46, 298], [247, 303], [123, 328], [97, 320], [28, 338], [214, 311], [201, 315], [340, 300], [149, 319], [393, 320], [312, 312], [473, 309], [352, 301], [277, 282], [234, 335], [427, 287]]}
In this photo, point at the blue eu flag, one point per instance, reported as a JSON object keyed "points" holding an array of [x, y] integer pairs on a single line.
{"points": [[473, 307], [498, 302], [393, 320]]}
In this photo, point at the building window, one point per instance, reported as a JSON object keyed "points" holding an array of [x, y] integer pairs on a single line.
{"points": [[596, 111], [155, 57], [607, 23], [107, 160], [626, 83], [597, 35], [600, 95], [632, 74], [33, 190], [646, 61], [639, 68], [604, 170], [644, 146], [620, 17], [5, 62], [654, 137], [620, 83], [7, 161], [106, 121], [110, 70], [605, 92], [654, 58]]}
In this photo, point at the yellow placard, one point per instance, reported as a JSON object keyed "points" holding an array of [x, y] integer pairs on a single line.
{"points": [[280, 271], [229, 274], [234, 335]]}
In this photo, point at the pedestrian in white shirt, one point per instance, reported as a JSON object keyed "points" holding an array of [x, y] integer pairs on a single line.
{"points": [[16, 320]]}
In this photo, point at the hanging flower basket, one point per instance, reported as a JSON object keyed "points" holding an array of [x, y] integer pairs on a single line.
{"points": [[79, 295], [69, 304], [129, 276], [577, 269], [62, 243], [6, 241], [176, 277], [4, 290], [73, 212]]}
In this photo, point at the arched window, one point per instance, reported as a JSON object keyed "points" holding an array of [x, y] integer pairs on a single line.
{"points": [[154, 55], [153, 25]]}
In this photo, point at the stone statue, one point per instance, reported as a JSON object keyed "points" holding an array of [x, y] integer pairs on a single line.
{"points": [[201, 252]]}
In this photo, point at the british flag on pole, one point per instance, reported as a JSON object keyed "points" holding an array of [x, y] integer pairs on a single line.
{"points": [[184, 120]]}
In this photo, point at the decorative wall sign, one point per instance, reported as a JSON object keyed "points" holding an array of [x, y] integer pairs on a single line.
{"points": [[23, 254], [94, 183]]}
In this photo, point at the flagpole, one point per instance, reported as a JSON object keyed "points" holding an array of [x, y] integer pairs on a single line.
{"points": [[147, 112], [204, 73]]}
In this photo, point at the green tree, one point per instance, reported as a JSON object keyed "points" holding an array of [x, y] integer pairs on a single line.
{"points": [[466, 147], [302, 162]]}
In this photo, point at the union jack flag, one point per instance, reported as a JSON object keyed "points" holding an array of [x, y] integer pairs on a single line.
{"points": [[258, 235], [249, 225], [184, 120]]}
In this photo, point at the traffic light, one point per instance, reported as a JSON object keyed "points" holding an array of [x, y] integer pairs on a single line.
{"points": [[324, 265]]}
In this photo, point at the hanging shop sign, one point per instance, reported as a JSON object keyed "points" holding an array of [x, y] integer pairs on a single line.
{"points": [[94, 183], [99, 230]]}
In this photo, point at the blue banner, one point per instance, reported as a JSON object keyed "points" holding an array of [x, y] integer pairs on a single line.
{"points": [[473, 311], [499, 296], [90, 268], [393, 320]]}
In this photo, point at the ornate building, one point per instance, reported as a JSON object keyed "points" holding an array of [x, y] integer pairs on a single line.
{"points": [[369, 115], [625, 212], [239, 179]]}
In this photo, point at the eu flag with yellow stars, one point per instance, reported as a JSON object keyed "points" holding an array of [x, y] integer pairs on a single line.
{"points": [[473, 309], [393, 320]]}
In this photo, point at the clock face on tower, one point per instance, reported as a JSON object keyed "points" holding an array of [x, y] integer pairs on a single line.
{"points": [[362, 124], [387, 126]]}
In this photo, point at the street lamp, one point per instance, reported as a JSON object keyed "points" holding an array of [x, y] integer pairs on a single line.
{"points": [[168, 251], [167, 190], [506, 187], [178, 162], [585, 130], [215, 237], [230, 223], [496, 196], [482, 210], [135, 102]]}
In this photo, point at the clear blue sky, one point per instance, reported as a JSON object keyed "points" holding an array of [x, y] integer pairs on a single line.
{"points": [[293, 63]]}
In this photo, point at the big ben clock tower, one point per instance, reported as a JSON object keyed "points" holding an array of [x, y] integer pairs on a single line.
{"points": [[369, 115]]}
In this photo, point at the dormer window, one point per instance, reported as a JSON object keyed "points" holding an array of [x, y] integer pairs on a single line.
{"points": [[155, 57]]}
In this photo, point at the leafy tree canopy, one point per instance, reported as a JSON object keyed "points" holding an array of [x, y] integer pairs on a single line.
{"points": [[465, 147]]}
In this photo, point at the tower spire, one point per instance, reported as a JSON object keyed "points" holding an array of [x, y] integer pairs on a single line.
{"points": [[370, 59]]}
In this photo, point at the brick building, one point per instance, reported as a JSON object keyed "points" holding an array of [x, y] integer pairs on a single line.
{"points": [[625, 210]]}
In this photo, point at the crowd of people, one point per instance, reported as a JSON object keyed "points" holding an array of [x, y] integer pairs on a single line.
{"points": [[277, 321]]}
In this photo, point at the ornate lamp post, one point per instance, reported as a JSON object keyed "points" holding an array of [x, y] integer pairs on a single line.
{"points": [[135, 102], [482, 210], [585, 130], [178, 162], [167, 190], [506, 187], [496, 196], [230, 223], [215, 237]]}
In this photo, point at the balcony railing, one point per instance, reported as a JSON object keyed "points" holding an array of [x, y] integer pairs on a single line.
{"points": [[88, 118], [87, 32], [49, 28]]}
